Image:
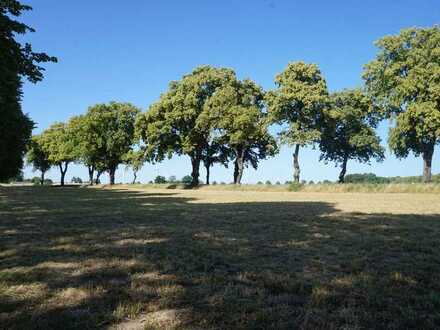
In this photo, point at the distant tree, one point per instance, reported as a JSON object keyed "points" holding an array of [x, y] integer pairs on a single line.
{"points": [[177, 123], [365, 178], [111, 131], [268, 182], [236, 112], [38, 157], [87, 145], [135, 160], [76, 180], [58, 144], [17, 62], [259, 182], [187, 179], [348, 132], [160, 179], [404, 81], [298, 103], [172, 179]]}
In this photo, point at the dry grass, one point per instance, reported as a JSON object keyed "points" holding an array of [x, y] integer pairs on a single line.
{"points": [[79, 258], [433, 188]]}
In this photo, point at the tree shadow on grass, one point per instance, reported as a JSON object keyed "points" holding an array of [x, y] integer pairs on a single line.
{"points": [[89, 258]]}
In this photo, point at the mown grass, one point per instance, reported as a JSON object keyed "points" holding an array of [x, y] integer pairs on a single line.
{"points": [[81, 258]]}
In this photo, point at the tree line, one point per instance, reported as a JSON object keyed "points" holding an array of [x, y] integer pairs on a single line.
{"points": [[213, 117]]}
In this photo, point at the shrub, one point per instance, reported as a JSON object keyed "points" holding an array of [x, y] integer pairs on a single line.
{"points": [[295, 186], [172, 179], [222, 183], [311, 182], [160, 179], [277, 183], [288, 182], [187, 179], [214, 183], [76, 180], [259, 182], [268, 182]]}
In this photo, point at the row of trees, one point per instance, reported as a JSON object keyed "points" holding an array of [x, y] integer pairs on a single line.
{"points": [[213, 117]]}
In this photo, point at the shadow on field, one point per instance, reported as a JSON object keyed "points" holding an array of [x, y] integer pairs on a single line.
{"points": [[89, 258]]}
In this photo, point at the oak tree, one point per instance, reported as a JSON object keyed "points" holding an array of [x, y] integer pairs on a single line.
{"points": [[404, 82], [348, 131], [298, 104]]}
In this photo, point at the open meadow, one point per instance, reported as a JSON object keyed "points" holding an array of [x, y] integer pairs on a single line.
{"points": [[79, 258]]}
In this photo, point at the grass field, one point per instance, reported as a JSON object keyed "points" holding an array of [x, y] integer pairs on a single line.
{"points": [[78, 258]]}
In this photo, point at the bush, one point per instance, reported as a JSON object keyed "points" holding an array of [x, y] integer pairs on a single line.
{"points": [[76, 180], [214, 183], [278, 183], [36, 181], [311, 182], [268, 182], [259, 182], [222, 183], [172, 179], [295, 186], [187, 179], [160, 179]]}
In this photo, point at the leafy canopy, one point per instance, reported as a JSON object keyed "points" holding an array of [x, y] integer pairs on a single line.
{"points": [[109, 132], [404, 80], [348, 132], [298, 102], [58, 143], [237, 116], [177, 123], [17, 61]]}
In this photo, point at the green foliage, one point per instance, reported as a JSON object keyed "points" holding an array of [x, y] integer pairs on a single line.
{"points": [[37, 156], [76, 180], [236, 113], [160, 179], [268, 182], [17, 61], [187, 179], [348, 130], [58, 143], [37, 181], [110, 132], [298, 103], [404, 81], [366, 178], [178, 122]]}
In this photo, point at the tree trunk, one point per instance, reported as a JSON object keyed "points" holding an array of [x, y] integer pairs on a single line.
{"points": [[111, 173], [98, 174], [207, 166], [63, 172], [134, 177], [343, 170], [42, 178], [195, 163], [239, 165], [427, 163], [296, 169], [91, 171]]}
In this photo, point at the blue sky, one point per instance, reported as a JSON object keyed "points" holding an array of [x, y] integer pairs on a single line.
{"points": [[129, 51]]}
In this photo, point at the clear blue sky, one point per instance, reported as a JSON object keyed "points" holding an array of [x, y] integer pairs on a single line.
{"points": [[130, 50]]}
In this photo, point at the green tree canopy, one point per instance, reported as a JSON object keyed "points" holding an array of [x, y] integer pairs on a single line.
{"points": [[58, 143], [135, 159], [404, 81], [37, 157], [17, 61], [236, 112], [178, 122], [349, 130], [298, 103], [110, 131]]}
